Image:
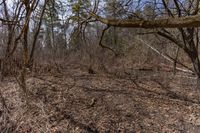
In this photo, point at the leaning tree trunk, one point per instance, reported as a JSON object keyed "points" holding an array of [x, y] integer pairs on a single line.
{"points": [[25, 53], [196, 63], [192, 52]]}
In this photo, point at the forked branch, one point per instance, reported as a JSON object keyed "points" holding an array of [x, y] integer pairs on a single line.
{"points": [[101, 39]]}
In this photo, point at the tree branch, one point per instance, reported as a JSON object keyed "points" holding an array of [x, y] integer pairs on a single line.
{"points": [[177, 22], [101, 39]]}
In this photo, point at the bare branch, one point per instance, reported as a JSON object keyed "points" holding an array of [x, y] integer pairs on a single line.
{"points": [[189, 21], [167, 57], [101, 39]]}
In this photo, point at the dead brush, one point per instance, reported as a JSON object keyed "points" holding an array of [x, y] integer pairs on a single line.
{"points": [[10, 67], [6, 124]]}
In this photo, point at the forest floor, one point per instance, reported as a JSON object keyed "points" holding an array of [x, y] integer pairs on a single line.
{"points": [[75, 101]]}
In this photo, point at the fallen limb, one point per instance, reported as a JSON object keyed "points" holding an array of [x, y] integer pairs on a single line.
{"points": [[167, 57]]}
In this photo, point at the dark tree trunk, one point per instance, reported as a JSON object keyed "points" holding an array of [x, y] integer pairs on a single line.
{"points": [[195, 61]]}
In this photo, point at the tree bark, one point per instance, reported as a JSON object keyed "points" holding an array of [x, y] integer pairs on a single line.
{"points": [[195, 61], [171, 22]]}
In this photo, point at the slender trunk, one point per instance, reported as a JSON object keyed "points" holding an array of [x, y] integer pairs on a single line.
{"points": [[115, 37], [195, 61], [52, 30], [25, 60], [196, 65], [175, 61], [25, 54], [5, 62], [35, 37]]}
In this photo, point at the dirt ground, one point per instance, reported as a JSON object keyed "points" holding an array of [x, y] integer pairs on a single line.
{"points": [[75, 101]]}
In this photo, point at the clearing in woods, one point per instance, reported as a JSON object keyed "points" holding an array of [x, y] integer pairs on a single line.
{"points": [[76, 101]]}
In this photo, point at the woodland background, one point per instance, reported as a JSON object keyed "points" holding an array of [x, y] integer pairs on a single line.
{"points": [[99, 66]]}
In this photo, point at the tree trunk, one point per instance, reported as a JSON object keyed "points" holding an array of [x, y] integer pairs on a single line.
{"points": [[179, 22], [195, 61]]}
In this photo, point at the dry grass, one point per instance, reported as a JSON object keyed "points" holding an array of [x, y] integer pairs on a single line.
{"points": [[75, 101]]}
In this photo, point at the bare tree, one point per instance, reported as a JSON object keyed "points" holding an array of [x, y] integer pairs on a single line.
{"points": [[182, 19], [18, 31]]}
